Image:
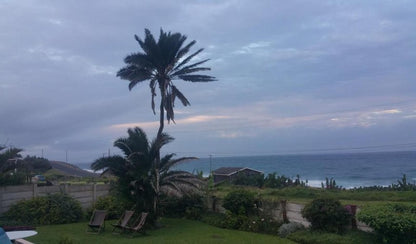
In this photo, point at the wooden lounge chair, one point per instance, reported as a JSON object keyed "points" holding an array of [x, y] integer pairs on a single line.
{"points": [[123, 221], [138, 227], [97, 222]]}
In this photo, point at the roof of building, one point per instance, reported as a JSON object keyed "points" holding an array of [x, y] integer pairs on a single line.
{"points": [[231, 170]]}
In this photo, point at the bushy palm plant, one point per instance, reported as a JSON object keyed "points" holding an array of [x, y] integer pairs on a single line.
{"points": [[139, 177]]}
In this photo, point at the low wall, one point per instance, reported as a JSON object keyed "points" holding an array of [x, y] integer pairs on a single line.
{"points": [[86, 194]]}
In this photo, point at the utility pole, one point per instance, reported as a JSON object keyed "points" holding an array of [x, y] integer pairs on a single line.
{"points": [[66, 156], [42, 153]]}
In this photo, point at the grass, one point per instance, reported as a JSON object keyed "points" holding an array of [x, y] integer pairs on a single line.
{"points": [[356, 237], [174, 231]]}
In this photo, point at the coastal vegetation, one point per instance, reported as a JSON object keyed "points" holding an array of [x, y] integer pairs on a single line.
{"points": [[393, 222]]}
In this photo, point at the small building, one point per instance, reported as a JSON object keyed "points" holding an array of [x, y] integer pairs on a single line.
{"points": [[229, 173]]}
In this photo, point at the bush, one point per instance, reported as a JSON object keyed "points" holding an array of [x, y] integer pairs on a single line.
{"points": [[248, 180], [394, 223], [289, 228], [10, 179], [114, 206], [51, 209], [242, 222], [240, 202], [280, 181], [191, 207], [327, 214]]}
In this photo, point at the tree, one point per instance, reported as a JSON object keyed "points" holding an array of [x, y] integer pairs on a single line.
{"points": [[139, 178], [10, 162], [6, 155], [161, 63]]}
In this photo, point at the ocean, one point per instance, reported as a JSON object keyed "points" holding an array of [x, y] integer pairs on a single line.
{"points": [[348, 169]]}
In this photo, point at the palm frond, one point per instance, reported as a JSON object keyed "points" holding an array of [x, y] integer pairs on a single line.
{"points": [[166, 165], [187, 59], [181, 97], [197, 78], [189, 70], [184, 50], [115, 164], [139, 60]]}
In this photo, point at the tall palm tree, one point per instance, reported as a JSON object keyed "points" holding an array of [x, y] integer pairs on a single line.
{"points": [[139, 178], [161, 63]]}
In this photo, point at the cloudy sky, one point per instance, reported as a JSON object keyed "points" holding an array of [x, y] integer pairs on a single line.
{"points": [[293, 76]]}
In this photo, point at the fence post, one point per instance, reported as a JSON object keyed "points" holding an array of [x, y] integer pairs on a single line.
{"points": [[1, 199], [283, 204], [94, 193], [35, 190]]}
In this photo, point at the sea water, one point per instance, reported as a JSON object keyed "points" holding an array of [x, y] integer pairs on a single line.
{"points": [[348, 169]]}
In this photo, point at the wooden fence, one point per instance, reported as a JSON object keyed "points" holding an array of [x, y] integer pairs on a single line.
{"points": [[86, 194]]}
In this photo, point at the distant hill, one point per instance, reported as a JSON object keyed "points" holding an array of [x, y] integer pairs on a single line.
{"points": [[71, 170]]}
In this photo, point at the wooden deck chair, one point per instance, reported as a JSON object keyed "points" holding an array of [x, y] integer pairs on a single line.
{"points": [[97, 222], [138, 227], [123, 221]]}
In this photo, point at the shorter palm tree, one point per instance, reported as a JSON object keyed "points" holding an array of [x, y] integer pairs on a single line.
{"points": [[139, 177]]}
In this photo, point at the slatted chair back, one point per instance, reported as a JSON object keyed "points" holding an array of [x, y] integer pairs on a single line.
{"points": [[140, 224], [97, 221]]}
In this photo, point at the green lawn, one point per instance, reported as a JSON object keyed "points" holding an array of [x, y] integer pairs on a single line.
{"points": [[174, 231]]}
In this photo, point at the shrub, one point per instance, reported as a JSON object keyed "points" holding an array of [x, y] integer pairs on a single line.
{"points": [[191, 207], [247, 223], [9, 179], [248, 180], [327, 215], [394, 223], [114, 206], [289, 228], [239, 202], [50, 209]]}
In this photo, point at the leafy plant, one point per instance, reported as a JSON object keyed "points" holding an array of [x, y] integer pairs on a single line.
{"points": [[140, 177], [50, 209], [394, 222], [327, 214], [189, 206], [330, 184], [114, 205], [240, 202], [242, 179]]}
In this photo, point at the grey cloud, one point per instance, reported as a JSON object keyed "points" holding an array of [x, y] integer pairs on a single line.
{"points": [[58, 87]]}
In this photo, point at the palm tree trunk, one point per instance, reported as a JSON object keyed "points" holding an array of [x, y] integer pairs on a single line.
{"points": [[159, 134]]}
